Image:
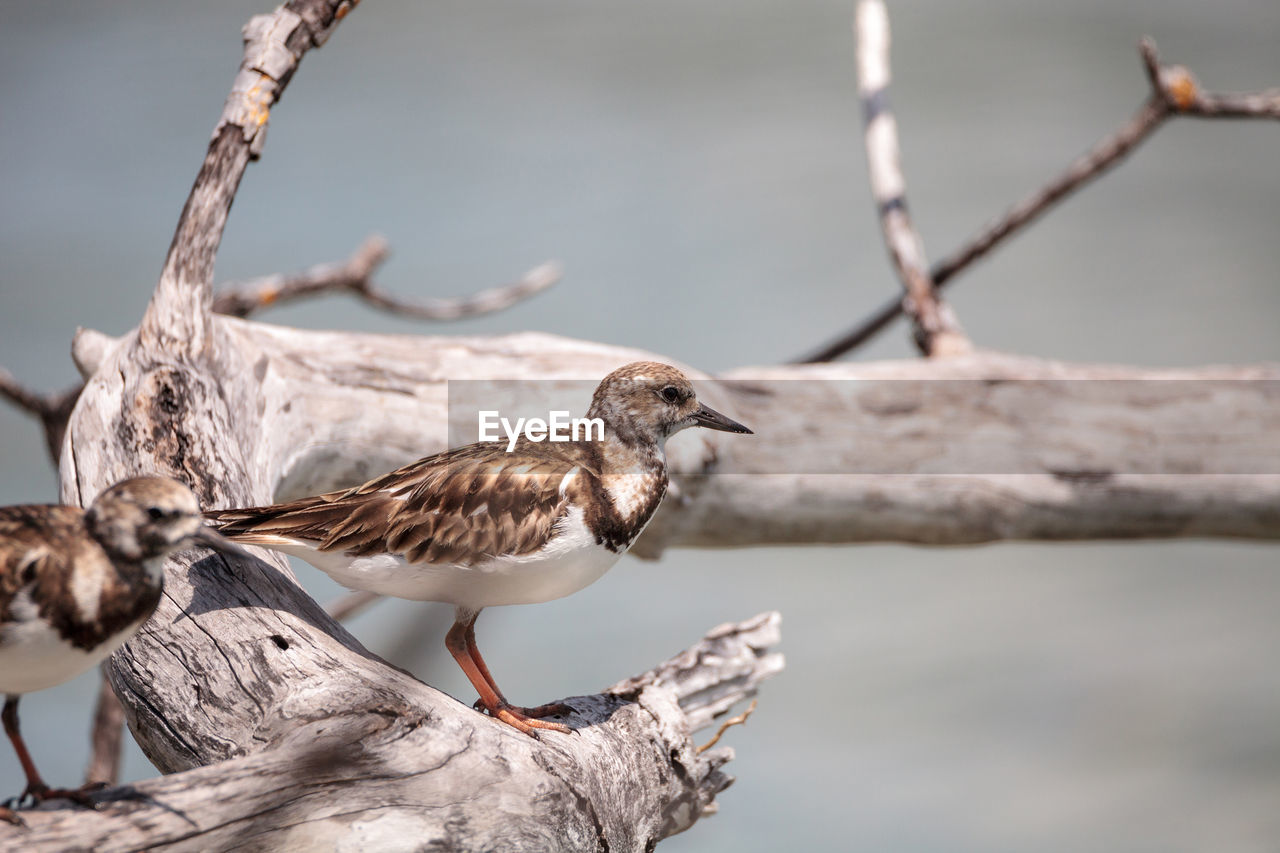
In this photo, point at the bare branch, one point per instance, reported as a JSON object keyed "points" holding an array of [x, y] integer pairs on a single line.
{"points": [[936, 330], [53, 410], [355, 275], [1174, 91], [488, 301], [273, 46], [1106, 154], [106, 738], [242, 299], [353, 603], [737, 720], [1182, 93]]}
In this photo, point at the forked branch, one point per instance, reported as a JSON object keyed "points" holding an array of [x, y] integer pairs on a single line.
{"points": [[1174, 92]]}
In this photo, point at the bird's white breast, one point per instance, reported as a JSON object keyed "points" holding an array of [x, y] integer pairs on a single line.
{"points": [[569, 561], [33, 656]]}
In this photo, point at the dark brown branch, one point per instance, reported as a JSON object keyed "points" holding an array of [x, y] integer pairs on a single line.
{"points": [[1174, 91], [107, 737], [935, 328], [53, 410], [355, 275], [274, 44]]}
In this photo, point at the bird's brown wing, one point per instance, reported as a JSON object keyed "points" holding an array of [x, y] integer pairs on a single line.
{"points": [[462, 507]]}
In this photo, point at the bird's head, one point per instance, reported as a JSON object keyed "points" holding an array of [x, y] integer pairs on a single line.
{"points": [[648, 400], [146, 518]]}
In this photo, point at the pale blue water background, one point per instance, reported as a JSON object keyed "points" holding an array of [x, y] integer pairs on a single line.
{"points": [[699, 170]]}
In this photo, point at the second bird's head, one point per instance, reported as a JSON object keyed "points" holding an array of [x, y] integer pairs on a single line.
{"points": [[148, 518]]}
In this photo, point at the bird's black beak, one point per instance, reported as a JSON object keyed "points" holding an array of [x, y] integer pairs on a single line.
{"points": [[211, 538], [711, 419]]}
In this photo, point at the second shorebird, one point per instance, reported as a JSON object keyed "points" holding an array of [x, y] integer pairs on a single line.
{"points": [[479, 525], [76, 584]]}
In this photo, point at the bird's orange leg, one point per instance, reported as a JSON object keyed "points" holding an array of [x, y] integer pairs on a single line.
{"points": [[461, 642], [36, 789], [550, 709]]}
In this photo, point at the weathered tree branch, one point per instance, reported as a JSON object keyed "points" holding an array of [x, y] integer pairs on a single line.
{"points": [[273, 46], [281, 729], [1072, 459], [241, 670], [419, 770], [935, 328], [240, 661], [1174, 92], [355, 275]]}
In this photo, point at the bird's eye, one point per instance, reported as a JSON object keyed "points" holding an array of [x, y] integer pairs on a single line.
{"points": [[671, 394], [155, 513]]}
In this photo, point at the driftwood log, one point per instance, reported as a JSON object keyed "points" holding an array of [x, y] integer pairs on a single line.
{"points": [[290, 733], [280, 731], [321, 742]]}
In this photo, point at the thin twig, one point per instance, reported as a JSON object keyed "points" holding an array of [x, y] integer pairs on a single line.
{"points": [[487, 301], [1174, 92], [739, 720], [355, 275], [935, 328], [354, 602], [107, 737], [53, 410]]}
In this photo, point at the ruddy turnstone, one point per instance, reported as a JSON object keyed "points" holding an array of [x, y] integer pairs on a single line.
{"points": [[485, 525], [75, 584]]}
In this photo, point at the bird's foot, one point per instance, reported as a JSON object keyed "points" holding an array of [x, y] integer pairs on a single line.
{"points": [[8, 815], [528, 720], [80, 796]]}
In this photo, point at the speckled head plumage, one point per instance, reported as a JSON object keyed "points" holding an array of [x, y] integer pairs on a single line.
{"points": [[648, 401], [146, 518]]}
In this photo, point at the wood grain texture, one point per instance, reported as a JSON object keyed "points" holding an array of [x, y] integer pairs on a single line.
{"points": [[416, 773]]}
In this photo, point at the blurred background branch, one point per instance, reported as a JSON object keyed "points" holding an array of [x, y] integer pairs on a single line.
{"points": [[1174, 92], [935, 329], [355, 276]]}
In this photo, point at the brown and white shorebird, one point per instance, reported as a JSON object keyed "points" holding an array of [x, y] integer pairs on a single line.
{"points": [[76, 584], [482, 525]]}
